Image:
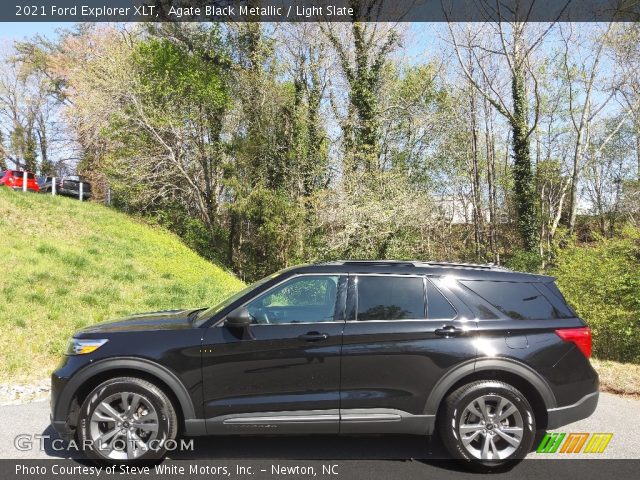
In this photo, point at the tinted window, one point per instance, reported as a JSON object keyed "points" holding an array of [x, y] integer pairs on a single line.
{"points": [[19, 174], [553, 294], [390, 298], [302, 299], [482, 309], [438, 307], [521, 301]]}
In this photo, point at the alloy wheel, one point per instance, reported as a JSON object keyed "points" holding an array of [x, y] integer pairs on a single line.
{"points": [[124, 426], [491, 427]]}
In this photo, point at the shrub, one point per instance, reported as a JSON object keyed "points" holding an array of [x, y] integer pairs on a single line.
{"points": [[601, 281]]}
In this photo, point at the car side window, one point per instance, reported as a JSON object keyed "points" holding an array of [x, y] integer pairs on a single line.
{"points": [[438, 307], [390, 298], [304, 299], [518, 300]]}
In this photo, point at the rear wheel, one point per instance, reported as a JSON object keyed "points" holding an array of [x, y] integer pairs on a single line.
{"points": [[126, 420], [488, 423]]}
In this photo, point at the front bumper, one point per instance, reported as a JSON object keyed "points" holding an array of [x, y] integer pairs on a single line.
{"points": [[64, 408], [62, 428], [583, 408]]}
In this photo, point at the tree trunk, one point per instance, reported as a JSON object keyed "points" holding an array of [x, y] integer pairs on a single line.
{"points": [[475, 183], [523, 177], [46, 167], [636, 121], [491, 184]]}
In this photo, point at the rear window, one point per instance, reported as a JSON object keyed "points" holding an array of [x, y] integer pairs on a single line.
{"points": [[520, 301], [390, 298], [552, 293]]}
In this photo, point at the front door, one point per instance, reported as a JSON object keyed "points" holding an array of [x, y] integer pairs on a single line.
{"points": [[283, 372]]}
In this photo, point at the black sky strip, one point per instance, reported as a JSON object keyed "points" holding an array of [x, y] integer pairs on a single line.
{"points": [[319, 10]]}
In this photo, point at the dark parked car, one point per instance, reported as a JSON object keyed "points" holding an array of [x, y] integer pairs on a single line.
{"points": [[67, 186], [14, 179], [484, 356]]}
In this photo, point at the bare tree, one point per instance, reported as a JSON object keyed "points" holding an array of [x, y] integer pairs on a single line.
{"points": [[584, 76], [624, 42], [513, 49]]}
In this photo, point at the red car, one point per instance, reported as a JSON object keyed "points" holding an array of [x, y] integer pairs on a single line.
{"points": [[14, 178]]}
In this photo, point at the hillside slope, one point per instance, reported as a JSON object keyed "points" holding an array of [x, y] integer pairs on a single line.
{"points": [[67, 264]]}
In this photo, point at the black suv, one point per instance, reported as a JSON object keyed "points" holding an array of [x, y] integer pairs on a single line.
{"points": [[484, 356]]}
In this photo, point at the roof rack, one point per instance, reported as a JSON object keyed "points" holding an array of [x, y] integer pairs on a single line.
{"points": [[399, 263], [486, 266], [416, 263]]}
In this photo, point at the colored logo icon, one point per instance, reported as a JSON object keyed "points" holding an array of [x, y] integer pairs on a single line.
{"points": [[560, 442]]}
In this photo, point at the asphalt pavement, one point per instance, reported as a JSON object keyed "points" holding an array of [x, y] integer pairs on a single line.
{"points": [[369, 457]]}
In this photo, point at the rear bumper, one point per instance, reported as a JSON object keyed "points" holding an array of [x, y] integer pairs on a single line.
{"points": [[583, 408]]}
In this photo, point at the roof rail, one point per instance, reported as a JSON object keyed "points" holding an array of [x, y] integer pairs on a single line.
{"points": [[486, 266], [399, 263], [417, 263]]}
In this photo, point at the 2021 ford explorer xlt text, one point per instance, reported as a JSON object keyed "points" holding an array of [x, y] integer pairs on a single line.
{"points": [[482, 355]]}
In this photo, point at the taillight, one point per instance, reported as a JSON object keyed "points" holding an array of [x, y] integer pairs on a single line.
{"points": [[581, 337]]}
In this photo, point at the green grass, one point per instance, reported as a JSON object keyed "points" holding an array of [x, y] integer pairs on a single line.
{"points": [[66, 265]]}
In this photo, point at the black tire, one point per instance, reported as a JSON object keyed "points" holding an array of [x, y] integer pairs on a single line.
{"points": [[150, 399], [455, 406]]}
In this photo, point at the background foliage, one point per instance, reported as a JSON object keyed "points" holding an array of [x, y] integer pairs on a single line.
{"points": [[263, 146]]}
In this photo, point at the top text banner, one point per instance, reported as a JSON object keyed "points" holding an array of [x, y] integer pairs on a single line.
{"points": [[319, 10]]}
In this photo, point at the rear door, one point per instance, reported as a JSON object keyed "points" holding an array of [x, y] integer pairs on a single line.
{"points": [[401, 336]]}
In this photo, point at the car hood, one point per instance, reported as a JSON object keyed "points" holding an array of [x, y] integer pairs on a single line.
{"points": [[163, 320]]}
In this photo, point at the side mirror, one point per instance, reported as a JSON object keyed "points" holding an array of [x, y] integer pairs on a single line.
{"points": [[238, 318]]}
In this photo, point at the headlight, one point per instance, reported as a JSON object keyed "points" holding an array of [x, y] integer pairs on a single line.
{"points": [[80, 346]]}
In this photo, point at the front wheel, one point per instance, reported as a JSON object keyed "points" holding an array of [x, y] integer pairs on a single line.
{"points": [[488, 423], [126, 420]]}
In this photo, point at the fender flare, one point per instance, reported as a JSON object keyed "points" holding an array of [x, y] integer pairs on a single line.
{"points": [[487, 364], [129, 363]]}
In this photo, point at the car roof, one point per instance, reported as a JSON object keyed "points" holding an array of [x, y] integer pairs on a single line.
{"points": [[467, 271]]}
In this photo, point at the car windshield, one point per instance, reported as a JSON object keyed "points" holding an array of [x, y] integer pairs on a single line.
{"points": [[210, 312]]}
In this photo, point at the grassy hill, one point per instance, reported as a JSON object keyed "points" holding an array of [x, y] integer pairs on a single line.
{"points": [[66, 264]]}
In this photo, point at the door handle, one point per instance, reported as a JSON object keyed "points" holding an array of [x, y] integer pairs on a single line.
{"points": [[449, 331], [313, 337]]}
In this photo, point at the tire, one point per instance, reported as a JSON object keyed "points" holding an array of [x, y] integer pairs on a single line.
{"points": [[481, 437], [126, 420]]}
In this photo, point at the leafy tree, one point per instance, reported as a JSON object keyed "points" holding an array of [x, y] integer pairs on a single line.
{"points": [[270, 225], [363, 52]]}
